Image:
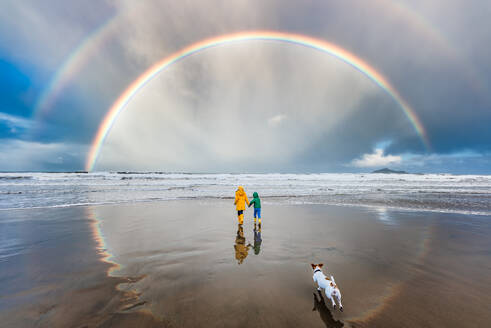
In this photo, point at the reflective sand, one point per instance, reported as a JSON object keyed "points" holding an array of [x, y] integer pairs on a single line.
{"points": [[201, 269], [188, 263]]}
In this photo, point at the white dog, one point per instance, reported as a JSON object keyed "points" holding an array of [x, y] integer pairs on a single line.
{"points": [[329, 285]]}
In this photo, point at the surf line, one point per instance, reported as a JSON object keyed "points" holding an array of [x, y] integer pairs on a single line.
{"points": [[296, 39]]}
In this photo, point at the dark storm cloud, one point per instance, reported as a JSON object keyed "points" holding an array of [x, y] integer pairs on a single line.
{"points": [[447, 89], [379, 119]]}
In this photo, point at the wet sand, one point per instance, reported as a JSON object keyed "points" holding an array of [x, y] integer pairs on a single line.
{"points": [[53, 274], [188, 264]]}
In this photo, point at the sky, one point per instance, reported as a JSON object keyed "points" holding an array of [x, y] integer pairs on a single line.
{"points": [[246, 106]]}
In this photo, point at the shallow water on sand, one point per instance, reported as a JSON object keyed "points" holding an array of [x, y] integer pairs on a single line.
{"points": [[201, 269], [192, 266]]}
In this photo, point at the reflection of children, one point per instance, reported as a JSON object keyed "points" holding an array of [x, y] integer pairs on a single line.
{"points": [[257, 240], [240, 201], [241, 250], [257, 207]]}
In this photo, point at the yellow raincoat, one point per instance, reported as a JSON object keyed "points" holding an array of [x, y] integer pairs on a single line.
{"points": [[241, 199]]}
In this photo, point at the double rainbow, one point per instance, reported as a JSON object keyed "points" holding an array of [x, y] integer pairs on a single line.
{"points": [[296, 39]]}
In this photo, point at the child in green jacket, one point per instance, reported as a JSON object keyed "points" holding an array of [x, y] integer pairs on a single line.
{"points": [[257, 207]]}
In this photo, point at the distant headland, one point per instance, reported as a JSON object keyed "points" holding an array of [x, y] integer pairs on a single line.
{"points": [[389, 171]]}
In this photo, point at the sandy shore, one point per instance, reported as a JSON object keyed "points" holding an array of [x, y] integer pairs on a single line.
{"points": [[56, 274], [187, 264]]}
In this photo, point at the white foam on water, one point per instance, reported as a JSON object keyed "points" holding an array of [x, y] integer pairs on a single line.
{"points": [[470, 194]]}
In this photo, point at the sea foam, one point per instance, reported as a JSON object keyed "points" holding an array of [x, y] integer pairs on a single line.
{"points": [[470, 194]]}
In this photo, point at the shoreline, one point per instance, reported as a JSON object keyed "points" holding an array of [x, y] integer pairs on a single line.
{"points": [[433, 193], [267, 202]]}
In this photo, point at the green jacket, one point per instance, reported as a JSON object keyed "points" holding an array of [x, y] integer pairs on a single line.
{"points": [[256, 201]]}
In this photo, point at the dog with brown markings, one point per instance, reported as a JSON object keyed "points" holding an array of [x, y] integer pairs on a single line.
{"points": [[328, 284]]}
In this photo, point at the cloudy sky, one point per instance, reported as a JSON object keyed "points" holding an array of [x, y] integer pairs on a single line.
{"points": [[250, 106]]}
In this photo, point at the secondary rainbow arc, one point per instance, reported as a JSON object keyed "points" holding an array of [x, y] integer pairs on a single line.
{"points": [[72, 65], [297, 39]]}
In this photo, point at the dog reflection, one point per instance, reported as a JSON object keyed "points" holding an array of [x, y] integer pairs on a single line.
{"points": [[241, 250], [324, 312], [257, 240]]}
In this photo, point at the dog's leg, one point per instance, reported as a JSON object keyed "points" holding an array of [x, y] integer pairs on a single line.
{"points": [[340, 304], [329, 296], [333, 302]]}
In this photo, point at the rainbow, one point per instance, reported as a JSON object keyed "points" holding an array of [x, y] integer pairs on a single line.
{"points": [[296, 39], [73, 64], [85, 50]]}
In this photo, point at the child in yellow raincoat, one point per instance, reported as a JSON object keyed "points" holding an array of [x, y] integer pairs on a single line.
{"points": [[240, 201]]}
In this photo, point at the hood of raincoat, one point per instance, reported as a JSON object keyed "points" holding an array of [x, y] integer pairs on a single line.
{"points": [[256, 200], [241, 199]]}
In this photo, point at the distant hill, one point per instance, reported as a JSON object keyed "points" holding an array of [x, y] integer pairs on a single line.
{"points": [[389, 171]]}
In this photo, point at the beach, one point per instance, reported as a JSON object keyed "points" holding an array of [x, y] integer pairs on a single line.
{"points": [[138, 140], [187, 263]]}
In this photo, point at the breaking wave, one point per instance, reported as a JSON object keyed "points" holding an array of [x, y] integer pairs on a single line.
{"points": [[432, 192]]}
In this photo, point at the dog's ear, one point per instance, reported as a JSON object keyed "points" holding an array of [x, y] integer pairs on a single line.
{"points": [[313, 266], [320, 265]]}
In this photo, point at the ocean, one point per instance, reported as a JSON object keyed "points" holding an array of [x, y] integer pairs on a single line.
{"points": [[465, 194]]}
